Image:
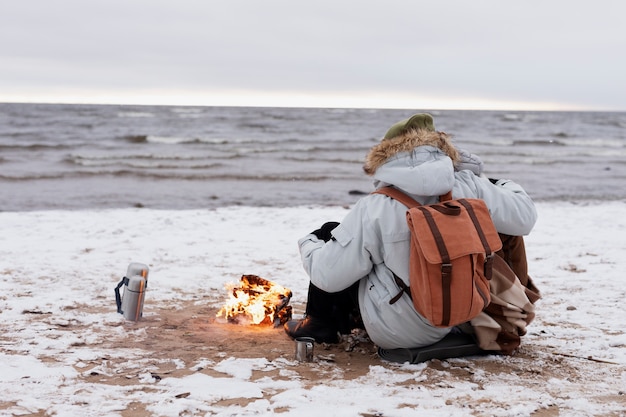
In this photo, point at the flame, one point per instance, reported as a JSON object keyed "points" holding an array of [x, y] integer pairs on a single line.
{"points": [[257, 300]]}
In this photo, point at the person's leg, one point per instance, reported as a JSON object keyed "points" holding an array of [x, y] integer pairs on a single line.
{"points": [[320, 304], [347, 314], [326, 314]]}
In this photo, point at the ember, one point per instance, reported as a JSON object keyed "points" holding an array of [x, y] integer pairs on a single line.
{"points": [[258, 301]]}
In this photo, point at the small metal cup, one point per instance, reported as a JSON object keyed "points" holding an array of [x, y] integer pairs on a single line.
{"points": [[304, 349]]}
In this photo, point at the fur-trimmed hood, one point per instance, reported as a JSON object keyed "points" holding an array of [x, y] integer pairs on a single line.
{"points": [[407, 142], [419, 162]]}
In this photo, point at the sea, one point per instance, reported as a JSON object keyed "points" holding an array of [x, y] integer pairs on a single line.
{"points": [[77, 157]]}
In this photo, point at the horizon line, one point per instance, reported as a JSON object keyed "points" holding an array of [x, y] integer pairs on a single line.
{"points": [[301, 101]]}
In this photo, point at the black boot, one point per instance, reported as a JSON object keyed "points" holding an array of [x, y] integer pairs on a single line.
{"points": [[312, 327]]}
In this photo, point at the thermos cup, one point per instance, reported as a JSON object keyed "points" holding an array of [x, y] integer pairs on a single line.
{"points": [[304, 349], [130, 304]]}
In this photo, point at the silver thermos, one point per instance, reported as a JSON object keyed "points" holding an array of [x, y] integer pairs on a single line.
{"points": [[130, 304]]}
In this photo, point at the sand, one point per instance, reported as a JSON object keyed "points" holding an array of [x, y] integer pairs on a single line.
{"points": [[65, 351]]}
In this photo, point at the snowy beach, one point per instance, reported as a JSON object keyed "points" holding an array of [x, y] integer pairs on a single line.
{"points": [[66, 351], [204, 139]]}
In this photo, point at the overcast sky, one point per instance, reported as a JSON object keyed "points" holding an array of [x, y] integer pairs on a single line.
{"points": [[495, 54]]}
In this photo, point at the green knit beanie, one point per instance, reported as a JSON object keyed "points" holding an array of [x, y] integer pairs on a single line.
{"points": [[417, 121]]}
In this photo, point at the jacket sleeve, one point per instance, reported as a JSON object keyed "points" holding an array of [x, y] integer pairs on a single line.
{"points": [[512, 210], [335, 265]]}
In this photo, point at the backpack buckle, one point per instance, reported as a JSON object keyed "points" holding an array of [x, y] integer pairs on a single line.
{"points": [[446, 271], [489, 266]]}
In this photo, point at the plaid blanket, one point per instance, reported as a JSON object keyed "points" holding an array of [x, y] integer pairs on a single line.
{"points": [[502, 324]]}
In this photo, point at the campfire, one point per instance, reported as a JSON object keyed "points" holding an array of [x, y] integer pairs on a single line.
{"points": [[256, 300]]}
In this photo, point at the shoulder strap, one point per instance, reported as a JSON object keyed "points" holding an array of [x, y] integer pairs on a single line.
{"points": [[445, 197], [446, 268], [409, 202], [397, 195], [404, 289], [483, 239], [446, 265]]}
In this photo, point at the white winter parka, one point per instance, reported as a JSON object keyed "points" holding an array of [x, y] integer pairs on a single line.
{"points": [[372, 242]]}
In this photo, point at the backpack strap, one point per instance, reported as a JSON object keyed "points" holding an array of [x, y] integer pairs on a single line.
{"points": [[446, 265], [445, 197], [402, 197], [397, 195], [403, 289], [409, 202], [481, 235]]}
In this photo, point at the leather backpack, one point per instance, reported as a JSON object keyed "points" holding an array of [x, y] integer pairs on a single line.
{"points": [[453, 244]]}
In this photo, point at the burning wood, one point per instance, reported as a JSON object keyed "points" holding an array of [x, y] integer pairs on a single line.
{"points": [[257, 301]]}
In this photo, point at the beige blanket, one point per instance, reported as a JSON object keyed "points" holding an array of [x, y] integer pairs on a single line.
{"points": [[502, 324]]}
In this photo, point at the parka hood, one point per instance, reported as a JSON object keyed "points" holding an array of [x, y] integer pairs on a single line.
{"points": [[387, 148], [419, 162]]}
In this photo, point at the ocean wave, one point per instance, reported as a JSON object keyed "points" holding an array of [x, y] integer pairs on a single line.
{"points": [[187, 110], [135, 138], [34, 146], [339, 161], [145, 164], [171, 140], [612, 143], [170, 175], [575, 161], [256, 126], [166, 140], [563, 140], [12, 177], [178, 140], [579, 142], [188, 113], [245, 145], [135, 114], [617, 123], [511, 117], [297, 150], [486, 141], [131, 156], [539, 142]]}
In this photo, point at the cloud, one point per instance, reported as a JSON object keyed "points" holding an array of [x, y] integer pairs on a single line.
{"points": [[558, 53]]}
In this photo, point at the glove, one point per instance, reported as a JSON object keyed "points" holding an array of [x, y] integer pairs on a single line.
{"points": [[323, 232], [469, 161], [497, 181]]}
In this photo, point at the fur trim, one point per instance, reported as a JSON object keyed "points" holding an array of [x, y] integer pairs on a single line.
{"points": [[406, 142]]}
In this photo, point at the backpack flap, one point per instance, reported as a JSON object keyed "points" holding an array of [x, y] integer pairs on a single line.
{"points": [[457, 230], [454, 241]]}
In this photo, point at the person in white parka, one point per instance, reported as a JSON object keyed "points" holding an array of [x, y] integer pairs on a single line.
{"points": [[351, 264]]}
